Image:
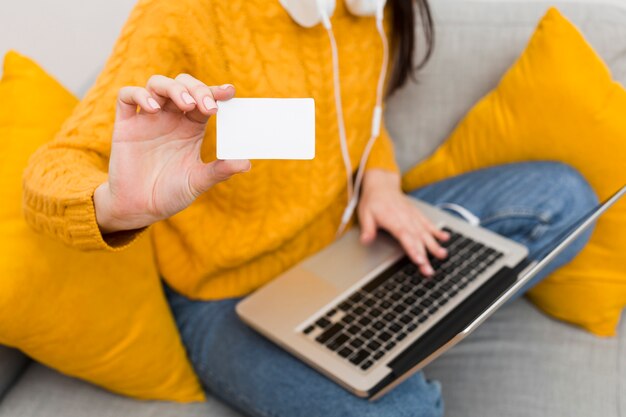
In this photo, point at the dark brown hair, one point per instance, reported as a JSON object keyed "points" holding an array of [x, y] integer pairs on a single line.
{"points": [[404, 27]]}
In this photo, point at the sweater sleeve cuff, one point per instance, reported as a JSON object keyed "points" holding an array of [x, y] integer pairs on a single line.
{"points": [[73, 220], [84, 232]]}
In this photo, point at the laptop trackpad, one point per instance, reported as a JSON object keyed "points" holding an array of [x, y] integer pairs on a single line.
{"points": [[347, 260]]}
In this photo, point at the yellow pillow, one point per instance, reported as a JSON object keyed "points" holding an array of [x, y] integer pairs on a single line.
{"points": [[558, 102], [97, 316]]}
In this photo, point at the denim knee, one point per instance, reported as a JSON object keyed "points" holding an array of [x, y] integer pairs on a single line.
{"points": [[571, 188]]}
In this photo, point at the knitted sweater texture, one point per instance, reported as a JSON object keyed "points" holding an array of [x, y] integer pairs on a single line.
{"points": [[243, 232]]}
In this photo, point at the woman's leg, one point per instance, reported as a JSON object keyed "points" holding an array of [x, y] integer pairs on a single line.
{"points": [[531, 203], [258, 378]]}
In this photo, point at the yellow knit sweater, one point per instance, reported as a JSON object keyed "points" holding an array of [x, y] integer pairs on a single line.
{"points": [[243, 232]]}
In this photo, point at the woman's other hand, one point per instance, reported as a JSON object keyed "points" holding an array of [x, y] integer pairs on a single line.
{"points": [[155, 169], [383, 205]]}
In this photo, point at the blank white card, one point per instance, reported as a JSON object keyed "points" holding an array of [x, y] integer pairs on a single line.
{"points": [[266, 128]]}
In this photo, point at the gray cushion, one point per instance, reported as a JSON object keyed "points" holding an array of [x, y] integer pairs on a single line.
{"points": [[477, 41], [12, 363], [522, 363], [42, 392]]}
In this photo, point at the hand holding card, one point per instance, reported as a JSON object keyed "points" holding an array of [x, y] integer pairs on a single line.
{"points": [[266, 128]]}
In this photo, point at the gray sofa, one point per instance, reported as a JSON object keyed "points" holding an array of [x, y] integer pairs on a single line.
{"points": [[519, 363]]}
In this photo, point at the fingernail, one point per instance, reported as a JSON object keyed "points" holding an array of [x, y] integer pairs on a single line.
{"points": [[225, 86], [209, 103], [188, 99], [248, 168], [153, 103], [429, 270]]}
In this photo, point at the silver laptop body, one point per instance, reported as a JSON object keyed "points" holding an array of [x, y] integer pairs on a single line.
{"points": [[288, 309]]}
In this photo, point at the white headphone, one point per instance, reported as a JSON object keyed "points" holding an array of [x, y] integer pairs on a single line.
{"points": [[309, 13]]}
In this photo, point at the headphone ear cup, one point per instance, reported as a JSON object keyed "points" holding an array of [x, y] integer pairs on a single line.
{"points": [[363, 7], [306, 13]]}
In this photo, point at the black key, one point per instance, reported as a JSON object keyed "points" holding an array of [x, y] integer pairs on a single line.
{"points": [[337, 342], [399, 308], [481, 267], [358, 310], [396, 296], [345, 352], [420, 292], [390, 286], [436, 294], [369, 302], [380, 294], [430, 284], [367, 365], [378, 355], [401, 336], [356, 343], [467, 271], [427, 302], [375, 283], [482, 256], [410, 269], [389, 316], [395, 327], [445, 286], [411, 327], [384, 336], [406, 288], [331, 313], [364, 321], [433, 310], [347, 319], [379, 325], [329, 333], [399, 278], [345, 306], [375, 312], [406, 319], [373, 345], [360, 356], [453, 292], [323, 322], [308, 329], [463, 284], [354, 329], [410, 300], [390, 346], [355, 298], [385, 304], [422, 319], [367, 334], [455, 278], [443, 301], [416, 280], [416, 310]]}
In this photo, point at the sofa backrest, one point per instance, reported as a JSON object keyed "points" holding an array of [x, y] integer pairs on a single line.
{"points": [[476, 42]]}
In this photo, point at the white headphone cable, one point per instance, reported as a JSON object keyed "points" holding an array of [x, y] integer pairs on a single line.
{"points": [[376, 121], [338, 103]]}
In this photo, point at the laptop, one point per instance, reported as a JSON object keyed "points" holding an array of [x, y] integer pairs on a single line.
{"points": [[366, 318]]}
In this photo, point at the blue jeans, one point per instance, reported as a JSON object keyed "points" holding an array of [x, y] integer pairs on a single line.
{"points": [[530, 203]]}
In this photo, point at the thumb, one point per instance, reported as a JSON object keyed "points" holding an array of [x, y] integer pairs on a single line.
{"points": [[368, 227], [204, 176]]}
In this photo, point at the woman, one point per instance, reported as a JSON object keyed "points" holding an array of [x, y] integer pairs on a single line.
{"points": [[222, 229]]}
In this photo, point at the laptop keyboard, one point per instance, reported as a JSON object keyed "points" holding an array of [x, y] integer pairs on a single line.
{"points": [[369, 323]]}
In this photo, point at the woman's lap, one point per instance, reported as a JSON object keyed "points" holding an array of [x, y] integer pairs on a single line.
{"points": [[528, 202]]}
